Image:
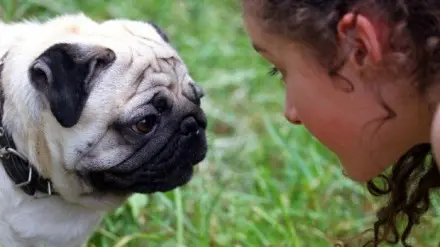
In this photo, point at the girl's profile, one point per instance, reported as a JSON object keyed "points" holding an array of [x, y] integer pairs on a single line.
{"points": [[362, 76]]}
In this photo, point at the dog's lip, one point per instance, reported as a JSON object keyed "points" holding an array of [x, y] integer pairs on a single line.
{"points": [[156, 167], [133, 154], [119, 165], [162, 175], [177, 176]]}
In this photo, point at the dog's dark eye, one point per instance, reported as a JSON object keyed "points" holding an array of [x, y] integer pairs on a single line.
{"points": [[146, 125]]}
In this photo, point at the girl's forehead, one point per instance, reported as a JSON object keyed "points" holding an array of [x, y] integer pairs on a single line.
{"points": [[262, 38]]}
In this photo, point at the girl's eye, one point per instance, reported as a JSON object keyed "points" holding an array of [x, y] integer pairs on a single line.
{"points": [[273, 71]]}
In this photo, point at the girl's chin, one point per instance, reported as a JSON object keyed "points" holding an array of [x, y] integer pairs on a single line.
{"points": [[361, 173]]}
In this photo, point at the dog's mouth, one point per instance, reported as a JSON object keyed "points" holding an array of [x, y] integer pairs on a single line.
{"points": [[168, 169]]}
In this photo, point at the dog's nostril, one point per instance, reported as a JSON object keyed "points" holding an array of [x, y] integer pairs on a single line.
{"points": [[189, 125]]}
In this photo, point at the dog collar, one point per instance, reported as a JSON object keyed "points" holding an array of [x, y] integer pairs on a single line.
{"points": [[16, 165]]}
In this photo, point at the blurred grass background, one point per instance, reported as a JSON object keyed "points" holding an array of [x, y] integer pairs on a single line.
{"points": [[264, 182]]}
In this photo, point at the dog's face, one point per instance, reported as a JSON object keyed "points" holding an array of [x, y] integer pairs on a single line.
{"points": [[104, 109]]}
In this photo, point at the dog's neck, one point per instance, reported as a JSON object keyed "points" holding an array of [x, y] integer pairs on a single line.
{"points": [[36, 221], [16, 166], [27, 221]]}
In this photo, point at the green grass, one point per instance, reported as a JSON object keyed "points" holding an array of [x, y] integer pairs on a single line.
{"points": [[264, 182]]}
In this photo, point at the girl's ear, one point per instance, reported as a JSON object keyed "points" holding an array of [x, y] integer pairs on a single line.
{"points": [[363, 38]]}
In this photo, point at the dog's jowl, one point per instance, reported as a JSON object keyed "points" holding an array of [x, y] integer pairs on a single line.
{"points": [[91, 112]]}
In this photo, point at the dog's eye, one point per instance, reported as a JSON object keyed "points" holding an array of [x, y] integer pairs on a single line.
{"points": [[146, 125]]}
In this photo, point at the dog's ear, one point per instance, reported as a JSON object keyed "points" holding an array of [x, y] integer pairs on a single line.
{"points": [[160, 31], [63, 73]]}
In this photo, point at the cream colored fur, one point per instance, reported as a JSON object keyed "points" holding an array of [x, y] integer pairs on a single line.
{"points": [[69, 220]]}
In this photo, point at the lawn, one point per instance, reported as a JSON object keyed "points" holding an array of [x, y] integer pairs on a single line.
{"points": [[264, 182]]}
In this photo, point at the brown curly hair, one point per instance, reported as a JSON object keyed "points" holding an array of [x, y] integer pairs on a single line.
{"points": [[413, 45]]}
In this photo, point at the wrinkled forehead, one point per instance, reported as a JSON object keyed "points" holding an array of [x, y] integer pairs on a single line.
{"points": [[125, 38], [138, 42], [144, 60], [138, 47], [143, 30], [137, 34], [141, 53], [139, 37]]}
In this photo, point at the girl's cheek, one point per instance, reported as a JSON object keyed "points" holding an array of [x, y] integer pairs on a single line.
{"points": [[435, 135]]}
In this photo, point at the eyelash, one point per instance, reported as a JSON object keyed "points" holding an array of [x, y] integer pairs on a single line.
{"points": [[273, 71]]}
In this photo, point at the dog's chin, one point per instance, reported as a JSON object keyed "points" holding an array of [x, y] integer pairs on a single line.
{"points": [[172, 167]]}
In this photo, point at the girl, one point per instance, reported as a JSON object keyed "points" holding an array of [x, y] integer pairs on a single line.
{"points": [[362, 76]]}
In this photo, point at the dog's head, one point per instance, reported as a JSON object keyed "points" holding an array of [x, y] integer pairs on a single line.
{"points": [[103, 109]]}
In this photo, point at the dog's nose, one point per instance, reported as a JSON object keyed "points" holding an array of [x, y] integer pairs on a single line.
{"points": [[189, 125]]}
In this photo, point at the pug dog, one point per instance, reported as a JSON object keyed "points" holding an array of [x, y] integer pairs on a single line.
{"points": [[91, 112]]}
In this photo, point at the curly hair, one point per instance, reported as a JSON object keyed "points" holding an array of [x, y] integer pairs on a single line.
{"points": [[413, 44]]}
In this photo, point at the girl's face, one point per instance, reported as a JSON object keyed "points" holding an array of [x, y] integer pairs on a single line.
{"points": [[355, 125]]}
